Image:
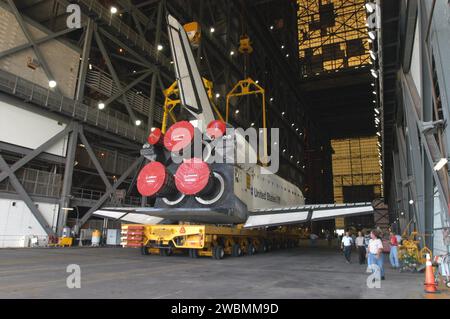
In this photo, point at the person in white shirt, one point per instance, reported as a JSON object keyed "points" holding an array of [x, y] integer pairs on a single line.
{"points": [[375, 253], [359, 242], [346, 245]]}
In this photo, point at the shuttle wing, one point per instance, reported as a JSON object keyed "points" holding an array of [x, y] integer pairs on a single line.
{"points": [[256, 219], [305, 213]]}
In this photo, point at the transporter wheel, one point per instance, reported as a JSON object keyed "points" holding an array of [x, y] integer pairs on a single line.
{"points": [[236, 250], [144, 250], [218, 252], [164, 252], [251, 250], [193, 253]]}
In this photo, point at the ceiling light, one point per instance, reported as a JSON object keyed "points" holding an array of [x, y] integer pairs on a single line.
{"points": [[411, 202], [287, 55], [282, 46], [101, 106], [374, 73], [253, 124], [370, 7], [212, 30], [160, 47], [231, 52], [138, 122], [217, 95], [373, 55], [52, 83], [282, 113], [271, 27], [377, 110], [378, 133], [113, 10], [374, 92], [440, 164], [293, 124], [372, 35], [237, 111], [373, 84]]}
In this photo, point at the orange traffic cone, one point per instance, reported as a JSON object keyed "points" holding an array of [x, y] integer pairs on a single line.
{"points": [[430, 283]]}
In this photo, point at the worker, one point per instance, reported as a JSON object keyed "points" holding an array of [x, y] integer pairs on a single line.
{"points": [[375, 253], [361, 248], [346, 245], [393, 254], [313, 239]]}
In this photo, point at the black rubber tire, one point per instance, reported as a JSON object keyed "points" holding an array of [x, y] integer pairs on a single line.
{"points": [[144, 251], [218, 252], [251, 250], [163, 252], [193, 253], [236, 250]]}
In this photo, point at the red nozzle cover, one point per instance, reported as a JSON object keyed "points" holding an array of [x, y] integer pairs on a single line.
{"points": [[155, 136], [216, 129], [151, 179], [192, 176], [179, 136]]}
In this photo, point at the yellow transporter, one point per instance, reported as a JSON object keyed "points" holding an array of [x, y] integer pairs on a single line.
{"points": [[207, 240]]}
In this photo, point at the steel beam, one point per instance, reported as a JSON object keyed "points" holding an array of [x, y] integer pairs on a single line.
{"points": [[26, 198], [94, 159], [127, 88], [108, 193], [68, 175], [85, 61], [30, 39], [42, 148], [114, 74], [22, 47]]}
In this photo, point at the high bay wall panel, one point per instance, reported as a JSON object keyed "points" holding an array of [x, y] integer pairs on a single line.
{"points": [[62, 60], [18, 225], [356, 163], [332, 35], [30, 130]]}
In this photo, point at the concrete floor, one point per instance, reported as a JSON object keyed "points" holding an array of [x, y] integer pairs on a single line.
{"points": [[124, 273]]}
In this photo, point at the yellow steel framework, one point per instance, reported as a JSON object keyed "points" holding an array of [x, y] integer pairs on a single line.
{"points": [[332, 35], [172, 100], [249, 87], [356, 163]]}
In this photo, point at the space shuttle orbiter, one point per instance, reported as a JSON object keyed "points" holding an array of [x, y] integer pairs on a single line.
{"points": [[192, 189]]}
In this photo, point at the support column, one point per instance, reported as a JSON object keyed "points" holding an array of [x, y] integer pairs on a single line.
{"points": [[85, 61], [67, 181]]}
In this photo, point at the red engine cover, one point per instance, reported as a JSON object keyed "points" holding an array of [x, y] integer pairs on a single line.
{"points": [[151, 179], [192, 176]]}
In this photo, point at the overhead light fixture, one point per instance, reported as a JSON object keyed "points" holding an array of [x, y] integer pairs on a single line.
{"points": [[374, 92], [411, 202], [287, 55], [284, 150], [282, 46], [160, 47], [374, 73], [373, 55], [231, 52], [440, 164], [217, 95], [293, 124], [90, 66], [253, 124], [101, 105], [257, 81], [377, 110], [212, 30], [282, 113], [236, 112], [372, 35], [370, 7], [138, 122], [271, 27], [113, 10], [52, 83], [379, 134]]}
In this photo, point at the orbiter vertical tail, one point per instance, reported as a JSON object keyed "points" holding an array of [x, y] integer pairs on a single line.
{"points": [[193, 94]]}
